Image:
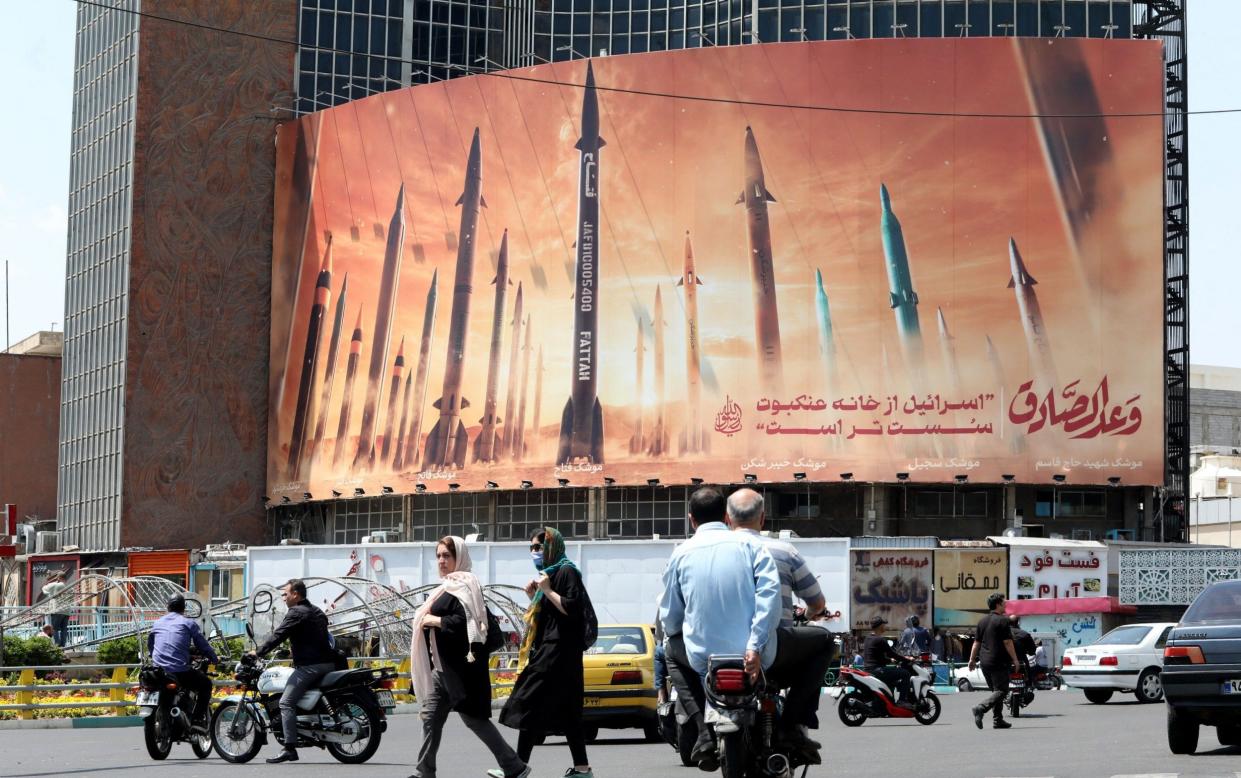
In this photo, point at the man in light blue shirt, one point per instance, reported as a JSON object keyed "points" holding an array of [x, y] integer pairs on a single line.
{"points": [[169, 643], [721, 596]]}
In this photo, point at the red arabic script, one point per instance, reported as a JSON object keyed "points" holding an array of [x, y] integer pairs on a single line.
{"points": [[1081, 416]]}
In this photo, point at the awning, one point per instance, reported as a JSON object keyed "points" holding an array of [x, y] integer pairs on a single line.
{"points": [[1048, 605]]}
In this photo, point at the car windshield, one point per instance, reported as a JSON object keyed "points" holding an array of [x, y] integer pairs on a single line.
{"points": [[1124, 636], [1218, 602], [619, 640]]}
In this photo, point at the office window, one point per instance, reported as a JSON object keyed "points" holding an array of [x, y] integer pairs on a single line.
{"points": [[520, 514], [641, 512], [435, 515], [355, 519]]}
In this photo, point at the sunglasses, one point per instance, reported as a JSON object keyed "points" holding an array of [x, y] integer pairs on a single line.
{"points": [[536, 546]]}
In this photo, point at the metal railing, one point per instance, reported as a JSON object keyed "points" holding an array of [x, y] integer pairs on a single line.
{"points": [[122, 689]]}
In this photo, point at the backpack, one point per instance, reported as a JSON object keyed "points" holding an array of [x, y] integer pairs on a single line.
{"points": [[590, 622]]}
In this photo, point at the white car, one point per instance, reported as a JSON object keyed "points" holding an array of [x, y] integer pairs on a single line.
{"points": [[1127, 659]]}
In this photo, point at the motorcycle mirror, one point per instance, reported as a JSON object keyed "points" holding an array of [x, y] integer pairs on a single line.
{"points": [[250, 631]]}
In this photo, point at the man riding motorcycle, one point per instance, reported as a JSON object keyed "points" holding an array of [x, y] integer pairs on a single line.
{"points": [[306, 629], [876, 653], [802, 653], [169, 643], [721, 596]]}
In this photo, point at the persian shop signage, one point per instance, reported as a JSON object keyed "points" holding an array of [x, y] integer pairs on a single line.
{"points": [[894, 584], [964, 579], [1055, 571]]}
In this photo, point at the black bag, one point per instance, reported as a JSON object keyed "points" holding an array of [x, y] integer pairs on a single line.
{"points": [[590, 622], [495, 635]]}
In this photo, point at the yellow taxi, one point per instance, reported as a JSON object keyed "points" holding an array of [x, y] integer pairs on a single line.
{"points": [[620, 681]]}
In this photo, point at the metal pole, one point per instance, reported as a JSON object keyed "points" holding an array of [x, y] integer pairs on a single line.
{"points": [[1230, 521], [7, 341]]}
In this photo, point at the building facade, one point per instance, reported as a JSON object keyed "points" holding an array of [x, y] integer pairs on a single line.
{"points": [[29, 424], [168, 271]]}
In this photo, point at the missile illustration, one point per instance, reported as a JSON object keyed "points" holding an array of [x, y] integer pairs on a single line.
{"points": [[447, 440], [581, 424], [1022, 284], [398, 456], [1016, 443], [398, 367], [949, 351], [414, 436], [388, 283], [329, 375], [310, 364], [637, 442], [510, 404], [754, 196], [485, 449], [346, 400], [693, 437], [827, 342], [659, 435], [534, 445], [903, 298], [519, 445]]}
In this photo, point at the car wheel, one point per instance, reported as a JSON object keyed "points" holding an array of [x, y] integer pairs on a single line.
{"points": [[1229, 734], [1098, 696], [964, 685], [1150, 686], [1182, 732], [590, 734], [653, 733]]}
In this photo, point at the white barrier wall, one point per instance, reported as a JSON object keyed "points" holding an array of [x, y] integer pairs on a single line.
{"points": [[624, 577]]}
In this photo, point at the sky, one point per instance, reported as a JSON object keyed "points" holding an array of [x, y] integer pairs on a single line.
{"points": [[35, 170]]}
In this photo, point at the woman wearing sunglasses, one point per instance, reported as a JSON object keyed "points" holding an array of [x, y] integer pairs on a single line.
{"points": [[547, 696]]}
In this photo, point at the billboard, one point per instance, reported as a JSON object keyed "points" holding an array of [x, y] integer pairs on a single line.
{"points": [[964, 579], [852, 256], [1040, 568], [894, 584]]}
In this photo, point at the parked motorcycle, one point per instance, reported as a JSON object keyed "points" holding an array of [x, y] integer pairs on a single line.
{"points": [[864, 696], [745, 715], [165, 708], [346, 713]]}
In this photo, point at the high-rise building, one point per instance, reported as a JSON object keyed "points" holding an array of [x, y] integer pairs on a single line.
{"points": [[164, 396]]}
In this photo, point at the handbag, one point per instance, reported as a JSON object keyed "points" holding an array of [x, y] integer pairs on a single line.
{"points": [[495, 635]]}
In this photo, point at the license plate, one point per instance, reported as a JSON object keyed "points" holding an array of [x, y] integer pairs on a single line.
{"points": [[148, 698], [1231, 687], [1017, 684], [592, 702], [1085, 658], [386, 700]]}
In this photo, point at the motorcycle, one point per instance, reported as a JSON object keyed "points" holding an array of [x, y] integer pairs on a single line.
{"points": [[864, 696], [1020, 692], [678, 729], [165, 708], [345, 713], [744, 715]]}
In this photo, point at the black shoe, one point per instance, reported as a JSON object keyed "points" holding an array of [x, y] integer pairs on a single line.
{"points": [[978, 713], [704, 755], [287, 755], [1002, 724]]}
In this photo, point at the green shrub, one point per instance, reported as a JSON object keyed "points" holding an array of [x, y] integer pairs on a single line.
{"points": [[121, 651], [25, 652]]}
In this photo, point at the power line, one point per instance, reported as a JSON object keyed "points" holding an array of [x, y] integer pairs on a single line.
{"points": [[645, 93]]}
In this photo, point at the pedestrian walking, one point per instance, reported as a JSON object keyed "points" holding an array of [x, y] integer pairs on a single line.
{"points": [[449, 664], [547, 696], [993, 649], [58, 619]]}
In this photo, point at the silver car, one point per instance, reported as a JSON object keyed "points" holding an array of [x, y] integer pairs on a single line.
{"points": [[1202, 669]]}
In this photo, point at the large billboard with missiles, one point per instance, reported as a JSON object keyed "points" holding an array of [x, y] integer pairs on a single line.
{"points": [[929, 257]]}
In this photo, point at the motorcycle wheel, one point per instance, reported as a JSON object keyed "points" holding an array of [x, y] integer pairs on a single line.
{"points": [[367, 717], [245, 745], [1014, 705], [201, 745], [687, 737], [733, 756], [853, 711], [928, 710], [157, 732]]}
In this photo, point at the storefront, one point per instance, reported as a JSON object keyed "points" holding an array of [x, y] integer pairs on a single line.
{"points": [[173, 565], [1070, 621]]}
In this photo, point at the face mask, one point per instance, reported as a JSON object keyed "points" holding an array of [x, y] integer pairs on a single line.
{"points": [[537, 558]]}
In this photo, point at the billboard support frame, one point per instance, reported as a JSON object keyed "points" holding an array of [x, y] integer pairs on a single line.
{"points": [[1164, 20]]}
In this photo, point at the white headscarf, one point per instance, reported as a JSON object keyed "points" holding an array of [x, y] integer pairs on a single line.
{"points": [[464, 585]]}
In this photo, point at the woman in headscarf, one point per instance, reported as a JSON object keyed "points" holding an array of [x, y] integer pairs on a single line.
{"points": [[449, 666], [547, 696]]}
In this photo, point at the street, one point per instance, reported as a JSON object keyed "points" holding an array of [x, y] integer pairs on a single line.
{"points": [[1062, 735]]}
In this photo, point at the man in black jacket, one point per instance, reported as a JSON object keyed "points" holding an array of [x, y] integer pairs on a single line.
{"points": [[306, 629]]}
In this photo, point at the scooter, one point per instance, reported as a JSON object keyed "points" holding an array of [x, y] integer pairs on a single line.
{"points": [[744, 715], [165, 709], [1020, 692], [863, 696]]}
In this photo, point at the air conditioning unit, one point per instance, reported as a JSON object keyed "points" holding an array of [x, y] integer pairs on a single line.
{"points": [[383, 536], [47, 542], [26, 538]]}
